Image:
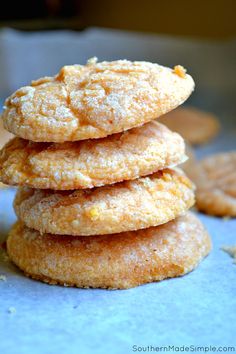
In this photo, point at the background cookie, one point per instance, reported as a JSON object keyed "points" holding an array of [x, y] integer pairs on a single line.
{"points": [[85, 164], [118, 261], [192, 124], [215, 179], [95, 100], [130, 205]]}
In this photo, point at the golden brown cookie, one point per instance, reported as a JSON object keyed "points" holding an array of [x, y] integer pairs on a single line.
{"points": [[91, 163], [215, 179], [4, 138], [131, 205], [118, 261], [194, 125], [94, 100]]}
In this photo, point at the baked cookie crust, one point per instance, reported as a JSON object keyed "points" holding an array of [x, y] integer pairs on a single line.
{"points": [[94, 100]]}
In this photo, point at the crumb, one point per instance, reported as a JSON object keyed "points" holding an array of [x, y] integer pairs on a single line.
{"points": [[11, 309], [167, 177], [93, 213], [3, 277], [92, 61], [75, 223], [226, 218], [180, 71], [231, 250]]}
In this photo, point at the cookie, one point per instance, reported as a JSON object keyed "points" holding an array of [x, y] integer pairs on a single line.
{"points": [[5, 136], [215, 179], [117, 261], [194, 125], [91, 163], [130, 205], [95, 100]]}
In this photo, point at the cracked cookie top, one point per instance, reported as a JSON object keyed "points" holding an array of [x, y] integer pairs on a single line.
{"points": [[94, 100]]}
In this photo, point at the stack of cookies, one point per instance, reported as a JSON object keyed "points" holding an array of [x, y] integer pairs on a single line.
{"points": [[100, 202]]}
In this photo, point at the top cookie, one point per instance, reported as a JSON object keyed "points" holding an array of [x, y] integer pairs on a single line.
{"points": [[95, 100]]}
